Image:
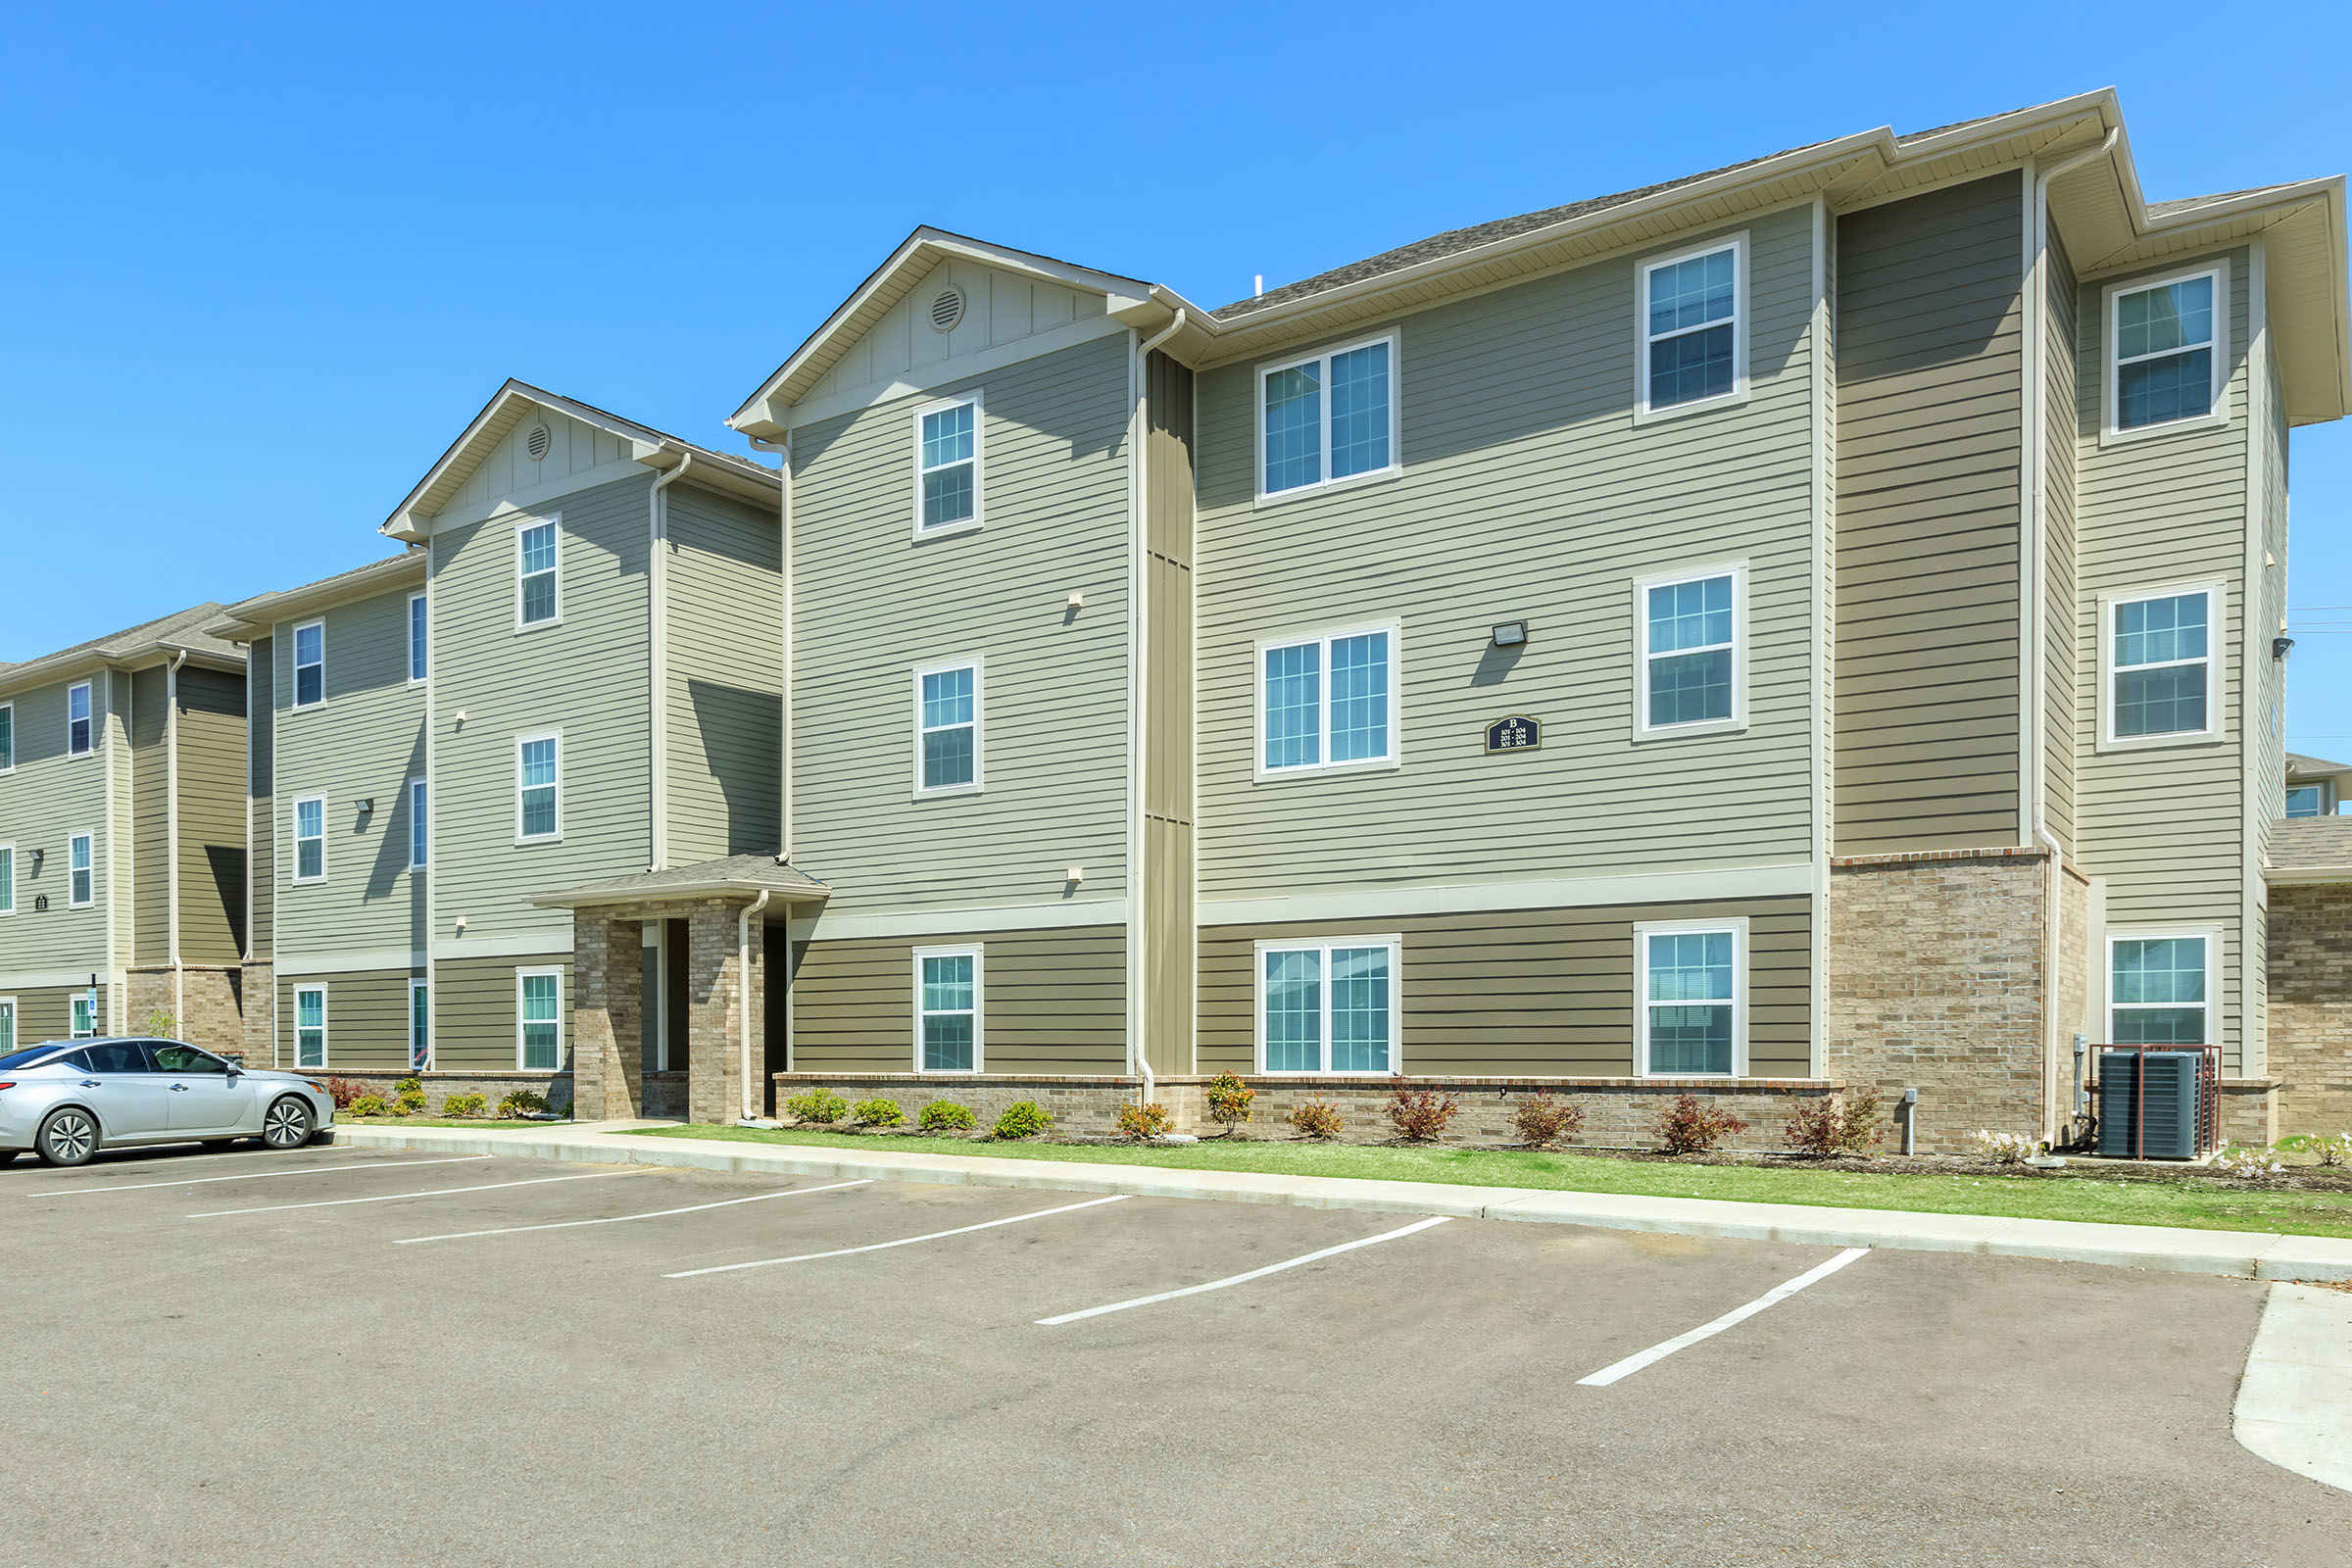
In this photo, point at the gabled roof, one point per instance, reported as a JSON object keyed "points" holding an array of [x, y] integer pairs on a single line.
{"points": [[167, 637], [2312, 767], [735, 876], [2311, 849], [249, 619], [656, 449]]}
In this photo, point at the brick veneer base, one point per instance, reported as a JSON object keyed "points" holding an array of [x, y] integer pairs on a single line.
{"points": [[2311, 1006], [206, 1005]]}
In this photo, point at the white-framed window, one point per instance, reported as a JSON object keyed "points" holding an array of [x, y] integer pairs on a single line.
{"points": [[538, 594], [2168, 352], [539, 1020], [419, 638], [2160, 669], [8, 1025], [8, 736], [1690, 989], [1330, 1006], [947, 728], [420, 1026], [1693, 329], [81, 1021], [80, 872], [947, 466], [80, 729], [420, 834], [1329, 418], [1329, 701], [310, 663], [2307, 800], [948, 1009], [310, 839], [1689, 652], [310, 1026], [2160, 983], [8, 879], [538, 788]]}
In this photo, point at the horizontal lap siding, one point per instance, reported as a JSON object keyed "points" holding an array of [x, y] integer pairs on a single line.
{"points": [[1930, 322], [367, 1018], [1052, 1001], [46, 1012], [474, 1012], [212, 815], [43, 801], [1545, 993], [2060, 329], [149, 797], [726, 681], [261, 822], [1527, 490]]}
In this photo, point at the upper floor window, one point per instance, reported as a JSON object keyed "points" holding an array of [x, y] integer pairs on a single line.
{"points": [[536, 601], [1327, 419], [1328, 702], [1328, 1006], [310, 839], [1690, 1016], [2160, 666], [310, 663], [538, 787], [416, 637], [2165, 363], [2157, 989], [947, 464], [1693, 331], [79, 871], [947, 728], [79, 728], [8, 736], [2306, 800], [417, 837], [1688, 628]]}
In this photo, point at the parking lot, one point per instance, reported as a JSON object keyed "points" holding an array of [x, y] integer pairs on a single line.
{"points": [[248, 1357]]}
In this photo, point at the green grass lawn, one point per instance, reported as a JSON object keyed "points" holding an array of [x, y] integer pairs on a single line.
{"points": [[342, 1120], [2134, 1203]]}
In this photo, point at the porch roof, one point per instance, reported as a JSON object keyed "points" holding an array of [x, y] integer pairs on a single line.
{"points": [[736, 876], [2311, 848]]}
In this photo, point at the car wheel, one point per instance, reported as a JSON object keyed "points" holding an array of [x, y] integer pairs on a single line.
{"points": [[70, 1137], [287, 1124]]}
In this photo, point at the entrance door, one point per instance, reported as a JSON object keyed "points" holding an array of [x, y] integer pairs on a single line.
{"points": [[653, 1011]]}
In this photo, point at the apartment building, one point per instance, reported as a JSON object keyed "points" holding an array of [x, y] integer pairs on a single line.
{"points": [[123, 835]]}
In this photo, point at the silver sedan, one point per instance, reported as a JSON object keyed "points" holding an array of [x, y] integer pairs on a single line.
{"points": [[67, 1099]]}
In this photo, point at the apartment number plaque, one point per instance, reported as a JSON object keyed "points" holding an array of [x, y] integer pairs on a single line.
{"points": [[1515, 734]]}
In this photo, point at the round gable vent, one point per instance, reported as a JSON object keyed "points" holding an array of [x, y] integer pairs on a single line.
{"points": [[538, 441], [947, 308]]}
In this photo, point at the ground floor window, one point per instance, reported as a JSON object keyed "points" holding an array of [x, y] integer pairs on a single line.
{"points": [[1328, 1005], [1691, 980], [85, 1022], [421, 1027], [947, 1009], [539, 1022], [8, 1025], [310, 1026], [2158, 988]]}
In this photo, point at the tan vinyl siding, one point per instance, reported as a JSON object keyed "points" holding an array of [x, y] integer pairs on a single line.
{"points": [[474, 1012], [212, 815], [1528, 491], [1169, 828], [2060, 334], [1052, 1001], [149, 805], [726, 681], [46, 1012], [46, 798], [113, 849], [367, 1018], [260, 822], [1930, 322], [1545, 993], [872, 604]]}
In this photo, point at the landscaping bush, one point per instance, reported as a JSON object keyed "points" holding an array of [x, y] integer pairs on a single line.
{"points": [[364, 1105], [520, 1103], [2004, 1148], [2236, 1162], [819, 1106], [1228, 1101], [1419, 1116], [464, 1108], [2336, 1151], [946, 1116], [409, 1104], [408, 1086], [1690, 1126], [343, 1091], [163, 1025], [1317, 1118], [877, 1113], [1143, 1121], [1827, 1126], [1544, 1121], [1023, 1118]]}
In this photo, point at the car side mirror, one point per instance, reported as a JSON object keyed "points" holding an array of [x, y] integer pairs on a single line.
{"points": [[235, 1071]]}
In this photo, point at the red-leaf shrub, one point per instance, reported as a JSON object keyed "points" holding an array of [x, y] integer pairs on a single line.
{"points": [[1316, 1118], [1143, 1121], [343, 1091], [1827, 1127], [1419, 1115], [1690, 1127], [1544, 1121], [1228, 1101]]}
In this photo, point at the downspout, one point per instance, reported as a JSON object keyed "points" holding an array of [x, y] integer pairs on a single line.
{"points": [[1139, 599], [657, 576], [743, 978], [179, 974]]}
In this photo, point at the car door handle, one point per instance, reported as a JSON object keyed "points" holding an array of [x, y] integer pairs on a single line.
{"points": [[92, 1083], [179, 1089]]}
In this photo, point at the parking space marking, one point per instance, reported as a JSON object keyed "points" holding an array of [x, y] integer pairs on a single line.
{"points": [[132, 1154], [1254, 1274], [1707, 1331], [903, 1241], [437, 1192], [259, 1175], [617, 1219]]}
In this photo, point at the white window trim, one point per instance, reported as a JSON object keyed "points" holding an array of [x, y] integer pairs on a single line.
{"points": [[2216, 1020], [409, 1022], [978, 953], [1391, 940], [419, 817], [16, 1019], [90, 750], [2110, 432], [1736, 244], [1643, 930], [2216, 668], [294, 702], [8, 763], [417, 677], [979, 726], [1259, 772], [301, 801], [523, 526], [71, 901], [520, 741], [320, 1065], [979, 405], [520, 975], [9, 849], [1257, 416], [97, 1023], [1643, 729]]}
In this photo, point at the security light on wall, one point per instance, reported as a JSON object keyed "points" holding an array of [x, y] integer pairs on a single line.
{"points": [[365, 804], [1077, 601], [2280, 646], [1510, 634], [38, 856], [1075, 874]]}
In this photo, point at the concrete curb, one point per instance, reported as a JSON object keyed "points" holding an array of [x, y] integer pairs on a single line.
{"points": [[2294, 1404], [2245, 1254]]}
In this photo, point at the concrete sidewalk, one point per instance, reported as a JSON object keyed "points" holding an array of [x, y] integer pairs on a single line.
{"points": [[2247, 1253]]}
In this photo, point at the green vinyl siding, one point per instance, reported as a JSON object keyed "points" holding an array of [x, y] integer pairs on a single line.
{"points": [[150, 797], [1051, 1002], [366, 1017], [726, 676], [2060, 329], [212, 815], [261, 837], [475, 1011], [46, 1012], [45, 798]]}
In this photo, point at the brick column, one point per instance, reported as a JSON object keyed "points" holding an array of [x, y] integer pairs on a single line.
{"points": [[606, 1018], [715, 1004]]}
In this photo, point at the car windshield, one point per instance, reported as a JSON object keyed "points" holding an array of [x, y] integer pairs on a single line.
{"points": [[30, 1055]]}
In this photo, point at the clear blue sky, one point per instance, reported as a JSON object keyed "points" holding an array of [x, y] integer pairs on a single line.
{"points": [[261, 264]]}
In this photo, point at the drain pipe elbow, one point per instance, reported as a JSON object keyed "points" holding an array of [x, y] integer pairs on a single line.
{"points": [[743, 978]]}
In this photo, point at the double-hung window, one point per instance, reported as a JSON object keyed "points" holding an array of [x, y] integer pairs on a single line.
{"points": [[536, 547], [2159, 988], [2160, 666], [2304, 799], [947, 465], [1329, 418], [1693, 307], [947, 1009], [79, 872], [418, 836], [79, 728], [1687, 630], [310, 1026], [1329, 1007], [1692, 982], [946, 729], [2166, 344], [1328, 702], [8, 879], [8, 736], [310, 839], [538, 788], [310, 663], [420, 1026], [539, 1020], [82, 1017], [419, 641]]}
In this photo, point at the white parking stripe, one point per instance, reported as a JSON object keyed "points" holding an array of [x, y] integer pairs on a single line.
{"points": [[903, 1241], [659, 1213], [1706, 1331], [258, 1175], [1254, 1274], [437, 1192], [129, 1154]]}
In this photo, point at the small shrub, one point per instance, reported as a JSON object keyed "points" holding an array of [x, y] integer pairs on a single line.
{"points": [[2236, 1162], [343, 1091], [1829, 1126], [1419, 1116], [520, 1103], [1228, 1101], [464, 1108], [409, 1102], [1317, 1118], [2004, 1148], [1690, 1126], [946, 1116], [2333, 1152], [163, 1025], [1544, 1121], [408, 1086], [819, 1106], [877, 1113], [1143, 1121], [364, 1105], [1023, 1118]]}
